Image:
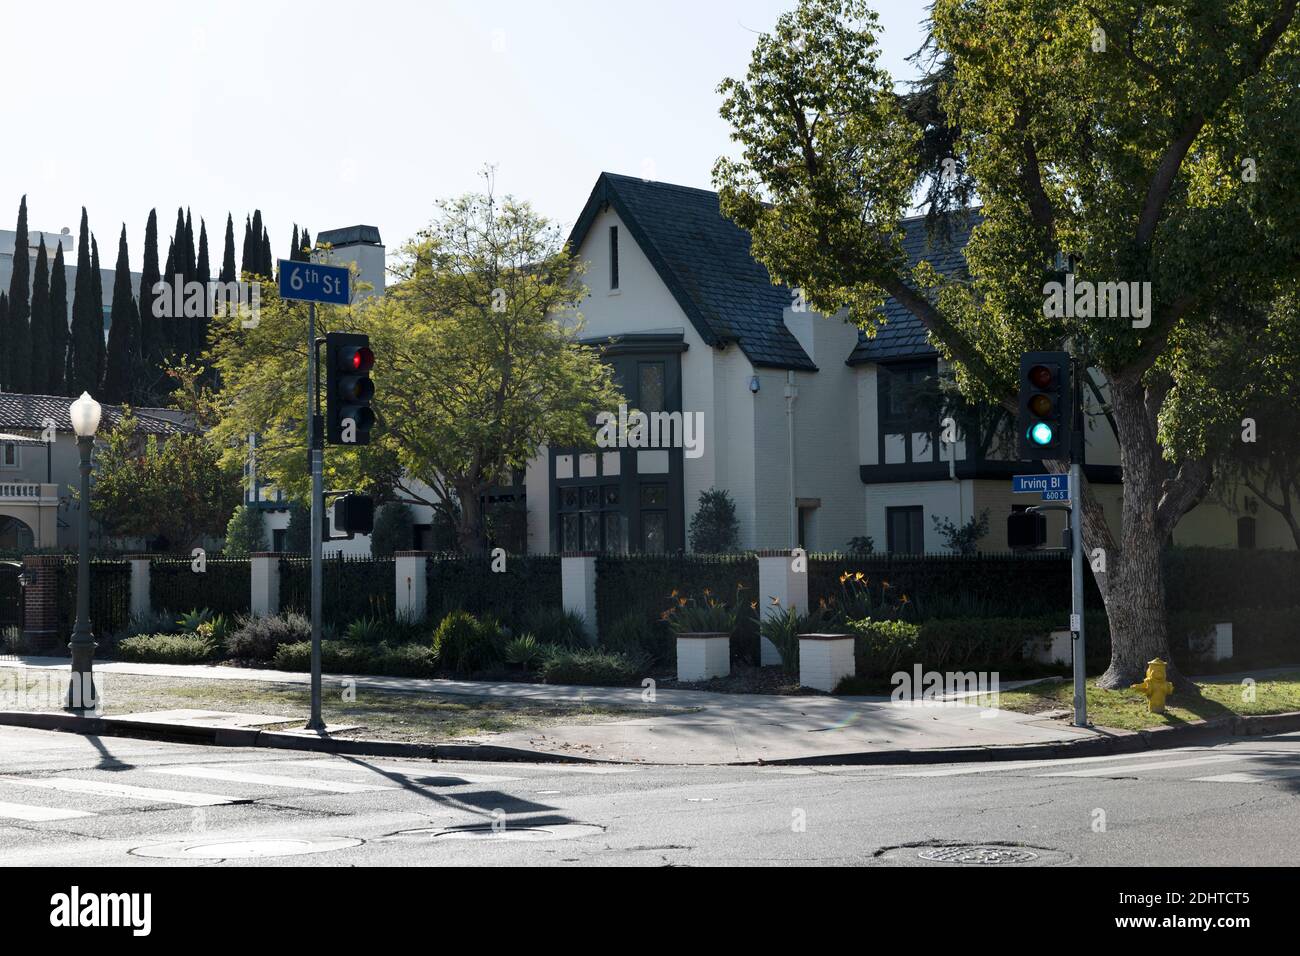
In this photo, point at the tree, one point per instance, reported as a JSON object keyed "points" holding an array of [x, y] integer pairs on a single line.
{"points": [[228, 273], [295, 249], [476, 369], [1129, 154], [297, 536], [173, 491], [4, 330], [40, 325], [394, 529], [247, 259], [56, 371], [153, 347], [87, 320], [714, 528], [268, 260], [202, 275], [245, 532], [123, 360], [97, 296], [18, 338], [963, 538]]}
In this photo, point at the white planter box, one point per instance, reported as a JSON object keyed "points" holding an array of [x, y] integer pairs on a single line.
{"points": [[703, 656], [825, 660]]}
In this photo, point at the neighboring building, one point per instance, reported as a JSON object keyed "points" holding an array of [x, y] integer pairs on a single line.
{"points": [[802, 418], [37, 509]]}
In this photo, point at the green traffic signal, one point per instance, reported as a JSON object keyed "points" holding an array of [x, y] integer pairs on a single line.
{"points": [[1041, 433]]}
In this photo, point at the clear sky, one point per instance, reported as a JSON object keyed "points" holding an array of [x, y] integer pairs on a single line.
{"points": [[333, 113]]}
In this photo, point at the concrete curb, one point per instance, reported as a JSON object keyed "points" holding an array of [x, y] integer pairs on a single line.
{"points": [[1115, 743]]}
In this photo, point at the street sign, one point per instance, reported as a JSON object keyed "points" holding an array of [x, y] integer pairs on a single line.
{"points": [[313, 282], [1026, 484], [1058, 494]]}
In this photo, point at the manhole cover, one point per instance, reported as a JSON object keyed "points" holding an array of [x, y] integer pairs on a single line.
{"points": [[556, 831], [979, 855], [244, 849]]}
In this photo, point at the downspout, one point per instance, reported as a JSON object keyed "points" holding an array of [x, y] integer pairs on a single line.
{"points": [[791, 393], [952, 473]]}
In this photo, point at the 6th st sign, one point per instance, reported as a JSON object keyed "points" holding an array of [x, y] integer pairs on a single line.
{"points": [[313, 282]]}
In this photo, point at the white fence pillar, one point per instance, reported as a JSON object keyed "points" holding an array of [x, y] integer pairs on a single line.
{"points": [[411, 601], [578, 587], [265, 571], [141, 605], [777, 578], [825, 660]]}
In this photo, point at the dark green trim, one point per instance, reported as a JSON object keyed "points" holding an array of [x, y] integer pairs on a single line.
{"points": [[981, 470]]}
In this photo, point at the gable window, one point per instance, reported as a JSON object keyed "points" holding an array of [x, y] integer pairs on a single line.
{"points": [[906, 536], [908, 402], [613, 258]]}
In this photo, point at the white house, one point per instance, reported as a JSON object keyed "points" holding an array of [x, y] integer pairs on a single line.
{"points": [[802, 416]]}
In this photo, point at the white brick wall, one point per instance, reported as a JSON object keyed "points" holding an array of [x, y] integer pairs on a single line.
{"points": [[823, 663], [702, 658]]}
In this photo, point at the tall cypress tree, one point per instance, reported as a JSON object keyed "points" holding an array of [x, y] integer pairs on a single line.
{"points": [[57, 369], [248, 261], [268, 258], [177, 335], [306, 245], [40, 326], [123, 349], [86, 320], [228, 273], [97, 273], [203, 275], [4, 327], [18, 349], [151, 326], [295, 247], [171, 270], [256, 243]]}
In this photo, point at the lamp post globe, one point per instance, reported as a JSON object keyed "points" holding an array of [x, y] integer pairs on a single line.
{"points": [[85, 414]]}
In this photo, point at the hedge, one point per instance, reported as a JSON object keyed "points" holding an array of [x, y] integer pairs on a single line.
{"points": [[465, 583], [352, 586], [224, 586], [644, 584]]}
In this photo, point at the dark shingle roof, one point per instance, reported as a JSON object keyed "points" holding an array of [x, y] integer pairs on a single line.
{"points": [[901, 334], [703, 258], [350, 236], [19, 410]]}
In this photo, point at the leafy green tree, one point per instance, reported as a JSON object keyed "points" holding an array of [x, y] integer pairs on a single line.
{"points": [[714, 528], [478, 366], [172, 489], [17, 368], [245, 532], [963, 538], [1152, 143], [123, 359], [394, 529]]}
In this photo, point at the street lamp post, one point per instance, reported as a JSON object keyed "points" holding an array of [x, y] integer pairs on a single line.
{"points": [[85, 413]]}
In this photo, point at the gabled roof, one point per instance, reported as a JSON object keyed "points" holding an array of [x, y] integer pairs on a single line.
{"points": [[20, 410], [703, 258], [901, 334]]}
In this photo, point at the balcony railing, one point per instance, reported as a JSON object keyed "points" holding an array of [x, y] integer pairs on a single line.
{"points": [[28, 492]]}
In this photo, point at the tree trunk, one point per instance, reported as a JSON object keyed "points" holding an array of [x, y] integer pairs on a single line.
{"points": [[1134, 586], [473, 540]]}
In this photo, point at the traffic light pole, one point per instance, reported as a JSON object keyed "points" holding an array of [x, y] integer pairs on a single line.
{"points": [[1076, 555], [315, 453]]}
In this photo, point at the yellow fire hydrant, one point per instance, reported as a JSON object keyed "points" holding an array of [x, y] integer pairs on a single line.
{"points": [[1156, 687]]}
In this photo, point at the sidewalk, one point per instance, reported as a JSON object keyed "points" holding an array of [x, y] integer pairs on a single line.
{"points": [[722, 728]]}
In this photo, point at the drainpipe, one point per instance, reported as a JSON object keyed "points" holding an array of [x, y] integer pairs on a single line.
{"points": [[952, 473], [791, 393]]}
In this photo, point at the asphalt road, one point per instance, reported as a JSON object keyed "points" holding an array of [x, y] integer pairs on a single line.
{"points": [[72, 800]]}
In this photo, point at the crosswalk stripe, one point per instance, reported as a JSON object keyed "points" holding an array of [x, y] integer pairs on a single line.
{"points": [[1249, 777], [22, 811], [268, 779], [101, 789], [996, 766], [1154, 765], [415, 773]]}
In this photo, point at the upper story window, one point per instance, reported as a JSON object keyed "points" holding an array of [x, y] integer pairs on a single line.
{"points": [[8, 455], [613, 258], [650, 387]]}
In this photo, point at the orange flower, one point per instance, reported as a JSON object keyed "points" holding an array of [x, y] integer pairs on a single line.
{"points": [[776, 601], [681, 602], [753, 605], [844, 577], [885, 585], [674, 594], [858, 576], [903, 599], [707, 592]]}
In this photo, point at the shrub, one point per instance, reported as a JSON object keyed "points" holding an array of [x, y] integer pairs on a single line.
{"points": [[394, 529], [336, 657], [406, 660], [365, 630], [591, 667], [708, 616], [861, 544], [152, 622], [522, 650], [189, 622], [167, 649], [714, 528], [557, 627], [464, 644], [782, 627], [633, 635], [258, 638], [245, 533], [881, 647]]}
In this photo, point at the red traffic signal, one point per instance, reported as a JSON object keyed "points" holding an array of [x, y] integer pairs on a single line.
{"points": [[348, 388]]}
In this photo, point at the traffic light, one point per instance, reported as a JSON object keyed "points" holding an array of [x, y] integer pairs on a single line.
{"points": [[1026, 529], [1046, 415], [354, 514], [348, 388]]}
